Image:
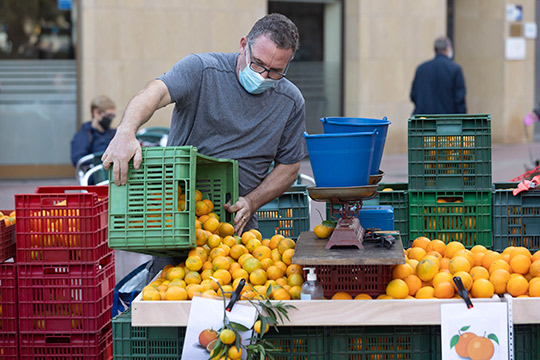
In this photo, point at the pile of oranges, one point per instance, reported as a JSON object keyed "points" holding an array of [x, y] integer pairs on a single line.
{"points": [[8, 219], [431, 266], [221, 256]]}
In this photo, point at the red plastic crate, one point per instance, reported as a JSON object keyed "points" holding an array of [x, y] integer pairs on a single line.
{"points": [[62, 224], [9, 349], [89, 346], [66, 298], [7, 239], [353, 279], [8, 297]]}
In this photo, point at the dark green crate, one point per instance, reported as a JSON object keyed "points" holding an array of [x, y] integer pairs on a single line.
{"points": [[526, 341], [287, 214], [380, 342], [516, 219], [464, 217], [300, 342], [449, 152], [144, 214], [164, 343]]}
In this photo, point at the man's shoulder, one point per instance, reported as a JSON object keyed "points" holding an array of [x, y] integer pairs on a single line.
{"points": [[287, 88], [216, 59]]}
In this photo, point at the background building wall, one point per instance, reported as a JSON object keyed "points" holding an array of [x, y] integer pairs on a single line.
{"points": [[126, 43], [497, 86], [384, 42]]}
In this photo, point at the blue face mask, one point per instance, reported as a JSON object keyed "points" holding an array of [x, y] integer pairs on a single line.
{"points": [[253, 82]]}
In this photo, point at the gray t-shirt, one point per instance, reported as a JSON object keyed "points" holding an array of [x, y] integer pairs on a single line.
{"points": [[217, 115]]}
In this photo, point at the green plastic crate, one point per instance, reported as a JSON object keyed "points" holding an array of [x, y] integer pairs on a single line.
{"points": [[516, 219], [450, 152], [527, 341], [144, 215], [464, 216], [380, 342], [299, 342], [287, 214], [129, 342]]}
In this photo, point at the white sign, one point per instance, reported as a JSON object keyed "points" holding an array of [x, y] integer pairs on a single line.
{"points": [[515, 48], [530, 30], [206, 313], [481, 329], [514, 12]]}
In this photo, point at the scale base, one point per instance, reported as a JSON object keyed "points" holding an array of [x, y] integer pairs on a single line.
{"points": [[348, 232]]}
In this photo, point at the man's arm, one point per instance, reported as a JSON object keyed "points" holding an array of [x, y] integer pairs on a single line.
{"points": [[279, 180], [124, 145], [460, 105]]}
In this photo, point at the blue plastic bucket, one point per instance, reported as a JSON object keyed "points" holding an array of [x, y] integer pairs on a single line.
{"points": [[332, 125], [341, 160]]}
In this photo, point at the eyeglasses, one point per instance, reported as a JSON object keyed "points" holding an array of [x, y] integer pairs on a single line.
{"points": [[260, 69]]}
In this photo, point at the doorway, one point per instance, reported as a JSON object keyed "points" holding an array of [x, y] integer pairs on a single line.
{"points": [[317, 67]]}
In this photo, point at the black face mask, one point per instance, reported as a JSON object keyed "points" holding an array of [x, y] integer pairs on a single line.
{"points": [[105, 121]]}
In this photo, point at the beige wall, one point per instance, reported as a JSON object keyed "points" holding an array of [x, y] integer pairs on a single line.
{"points": [[500, 87], [126, 43], [384, 42]]}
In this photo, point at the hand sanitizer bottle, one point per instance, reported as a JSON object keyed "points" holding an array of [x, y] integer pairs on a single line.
{"points": [[311, 289]]}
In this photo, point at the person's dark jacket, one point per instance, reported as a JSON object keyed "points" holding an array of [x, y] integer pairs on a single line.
{"points": [[88, 141], [439, 87]]}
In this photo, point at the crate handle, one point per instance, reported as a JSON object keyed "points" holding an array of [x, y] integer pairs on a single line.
{"points": [[101, 191], [450, 128], [57, 340]]}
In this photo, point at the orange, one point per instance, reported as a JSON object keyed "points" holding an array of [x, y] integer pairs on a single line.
{"points": [[461, 346], [416, 253], [281, 294], [397, 289], [176, 273], [274, 241], [237, 251], [478, 249], [426, 269], [520, 263], [413, 264], [223, 276], [274, 272], [257, 233], [252, 244], [213, 241], [295, 280], [341, 295], [363, 297], [444, 263], [234, 353], [322, 231], [284, 244], [151, 295], [226, 249], [467, 254], [442, 277], [452, 247], [215, 252], [165, 270], [251, 264], [206, 274], [257, 327], [176, 293], [534, 288], [262, 252], [499, 278], [294, 269], [489, 257], [466, 279], [422, 242], [534, 269], [240, 273], [200, 252], [521, 250], [499, 264], [384, 297], [479, 272], [201, 208], [266, 263], [194, 289], [276, 256], [517, 285], [433, 258], [243, 258], [281, 265], [459, 263], [201, 236], [436, 245], [194, 263], [401, 271], [425, 292], [220, 262], [229, 241], [212, 224], [478, 256], [192, 277], [258, 277], [443, 290], [482, 288], [227, 336], [287, 256], [246, 236], [225, 229], [480, 348], [535, 256]]}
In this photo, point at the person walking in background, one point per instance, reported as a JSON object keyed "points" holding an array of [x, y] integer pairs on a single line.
{"points": [[439, 86], [96, 134]]}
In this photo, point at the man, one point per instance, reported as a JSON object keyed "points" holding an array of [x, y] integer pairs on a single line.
{"points": [[96, 134], [439, 86], [237, 106]]}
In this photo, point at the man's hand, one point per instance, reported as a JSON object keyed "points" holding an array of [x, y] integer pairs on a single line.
{"points": [[243, 209], [122, 148]]}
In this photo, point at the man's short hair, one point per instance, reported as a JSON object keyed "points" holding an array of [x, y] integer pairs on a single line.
{"points": [[280, 29], [101, 103], [441, 44]]}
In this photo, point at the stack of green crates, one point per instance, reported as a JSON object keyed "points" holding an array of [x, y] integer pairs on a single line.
{"points": [[147, 214], [450, 178]]}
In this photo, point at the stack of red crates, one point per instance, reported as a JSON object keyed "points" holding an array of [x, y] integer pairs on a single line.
{"points": [[65, 274]]}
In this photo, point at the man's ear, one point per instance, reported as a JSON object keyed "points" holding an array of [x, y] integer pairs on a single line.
{"points": [[243, 44]]}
